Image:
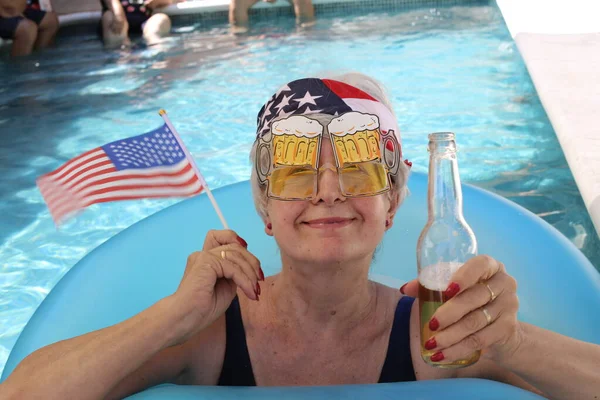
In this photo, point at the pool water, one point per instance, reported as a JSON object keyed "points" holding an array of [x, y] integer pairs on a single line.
{"points": [[445, 69]]}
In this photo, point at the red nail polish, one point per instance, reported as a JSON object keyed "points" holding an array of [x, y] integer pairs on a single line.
{"points": [[261, 274], [389, 145], [452, 290], [242, 242], [430, 344], [402, 288], [257, 290], [408, 163], [437, 357], [434, 324]]}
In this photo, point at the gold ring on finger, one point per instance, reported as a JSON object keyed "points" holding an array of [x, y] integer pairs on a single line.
{"points": [[492, 294], [488, 317], [223, 254]]}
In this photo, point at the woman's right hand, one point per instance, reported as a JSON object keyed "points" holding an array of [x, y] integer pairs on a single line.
{"points": [[213, 275]]}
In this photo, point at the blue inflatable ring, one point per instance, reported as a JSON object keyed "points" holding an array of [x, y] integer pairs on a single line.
{"points": [[145, 263]]}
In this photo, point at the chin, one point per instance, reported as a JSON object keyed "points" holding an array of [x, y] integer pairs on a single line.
{"points": [[330, 252]]}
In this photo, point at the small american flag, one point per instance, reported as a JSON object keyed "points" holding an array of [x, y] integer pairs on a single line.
{"points": [[153, 165]]}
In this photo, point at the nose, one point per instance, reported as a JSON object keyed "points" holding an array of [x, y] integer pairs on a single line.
{"points": [[328, 186]]}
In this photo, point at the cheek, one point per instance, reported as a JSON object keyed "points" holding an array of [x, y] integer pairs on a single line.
{"points": [[372, 209], [283, 211]]}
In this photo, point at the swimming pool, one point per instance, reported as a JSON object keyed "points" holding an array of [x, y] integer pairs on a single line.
{"points": [[446, 69]]}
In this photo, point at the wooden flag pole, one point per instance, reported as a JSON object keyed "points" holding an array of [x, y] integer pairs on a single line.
{"points": [[163, 114]]}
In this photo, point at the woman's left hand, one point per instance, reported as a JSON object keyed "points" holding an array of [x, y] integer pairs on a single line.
{"points": [[480, 313]]}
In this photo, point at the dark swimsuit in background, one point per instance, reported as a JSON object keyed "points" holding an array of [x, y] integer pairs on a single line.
{"points": [[237, 368], [8, 26], [137, 14]]}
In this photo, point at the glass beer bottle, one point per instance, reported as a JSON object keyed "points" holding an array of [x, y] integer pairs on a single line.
{"points": [[446, 242]]}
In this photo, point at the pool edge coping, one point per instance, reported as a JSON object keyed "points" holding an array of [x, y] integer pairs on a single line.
{"points": [[561, 50]]}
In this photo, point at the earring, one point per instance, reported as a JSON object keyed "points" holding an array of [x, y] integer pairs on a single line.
{"points": [[387, 223], [269, 226]]}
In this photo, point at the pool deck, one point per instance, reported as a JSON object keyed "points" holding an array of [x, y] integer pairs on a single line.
{"points": [[560, 44]]}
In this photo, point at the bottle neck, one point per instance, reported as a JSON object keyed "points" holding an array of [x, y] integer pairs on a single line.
{"points": [[444, 192]]}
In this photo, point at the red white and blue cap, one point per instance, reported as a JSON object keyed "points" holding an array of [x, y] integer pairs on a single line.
{"points": [[322, 96]]}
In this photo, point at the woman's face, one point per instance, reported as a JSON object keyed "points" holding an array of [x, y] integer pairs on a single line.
{"points": [[329, 228]]}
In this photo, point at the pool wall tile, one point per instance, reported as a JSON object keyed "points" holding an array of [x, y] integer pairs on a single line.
{"points": [[324, 7]]}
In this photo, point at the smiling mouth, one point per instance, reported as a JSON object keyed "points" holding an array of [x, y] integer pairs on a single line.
{"points": [[334, 222]]}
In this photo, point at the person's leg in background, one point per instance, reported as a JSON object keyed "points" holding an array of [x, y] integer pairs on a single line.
{"points": [[305, 12], [47, 28], [157, 26], [24, 37], [238, 14], [114, 33]]}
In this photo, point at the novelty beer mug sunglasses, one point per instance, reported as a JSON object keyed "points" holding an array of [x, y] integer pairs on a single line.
{"points": [[287, 157]]}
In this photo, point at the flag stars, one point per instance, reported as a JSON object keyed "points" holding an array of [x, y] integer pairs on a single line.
{"points": [[285, 88], [307, 99], [158, 148], [286, 102]]}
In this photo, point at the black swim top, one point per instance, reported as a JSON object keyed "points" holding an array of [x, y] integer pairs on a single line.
{"points": [[130, 7], [237, 368]]}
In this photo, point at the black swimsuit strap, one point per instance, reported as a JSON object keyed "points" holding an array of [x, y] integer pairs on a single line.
{"points": [[237, 368], [398, 366]]}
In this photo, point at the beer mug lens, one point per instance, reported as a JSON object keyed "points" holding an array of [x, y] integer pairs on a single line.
{"points": [[295, 182], [363, 179]]}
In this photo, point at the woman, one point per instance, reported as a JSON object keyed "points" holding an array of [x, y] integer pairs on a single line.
{"points": [[320, 321], [123, 17]]}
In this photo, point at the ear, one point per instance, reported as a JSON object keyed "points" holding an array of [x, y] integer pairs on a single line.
{"points": [[268, 227], [394, 198]]}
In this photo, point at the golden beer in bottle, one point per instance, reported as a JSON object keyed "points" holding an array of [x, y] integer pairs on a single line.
{"points": [[445, 243]]}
